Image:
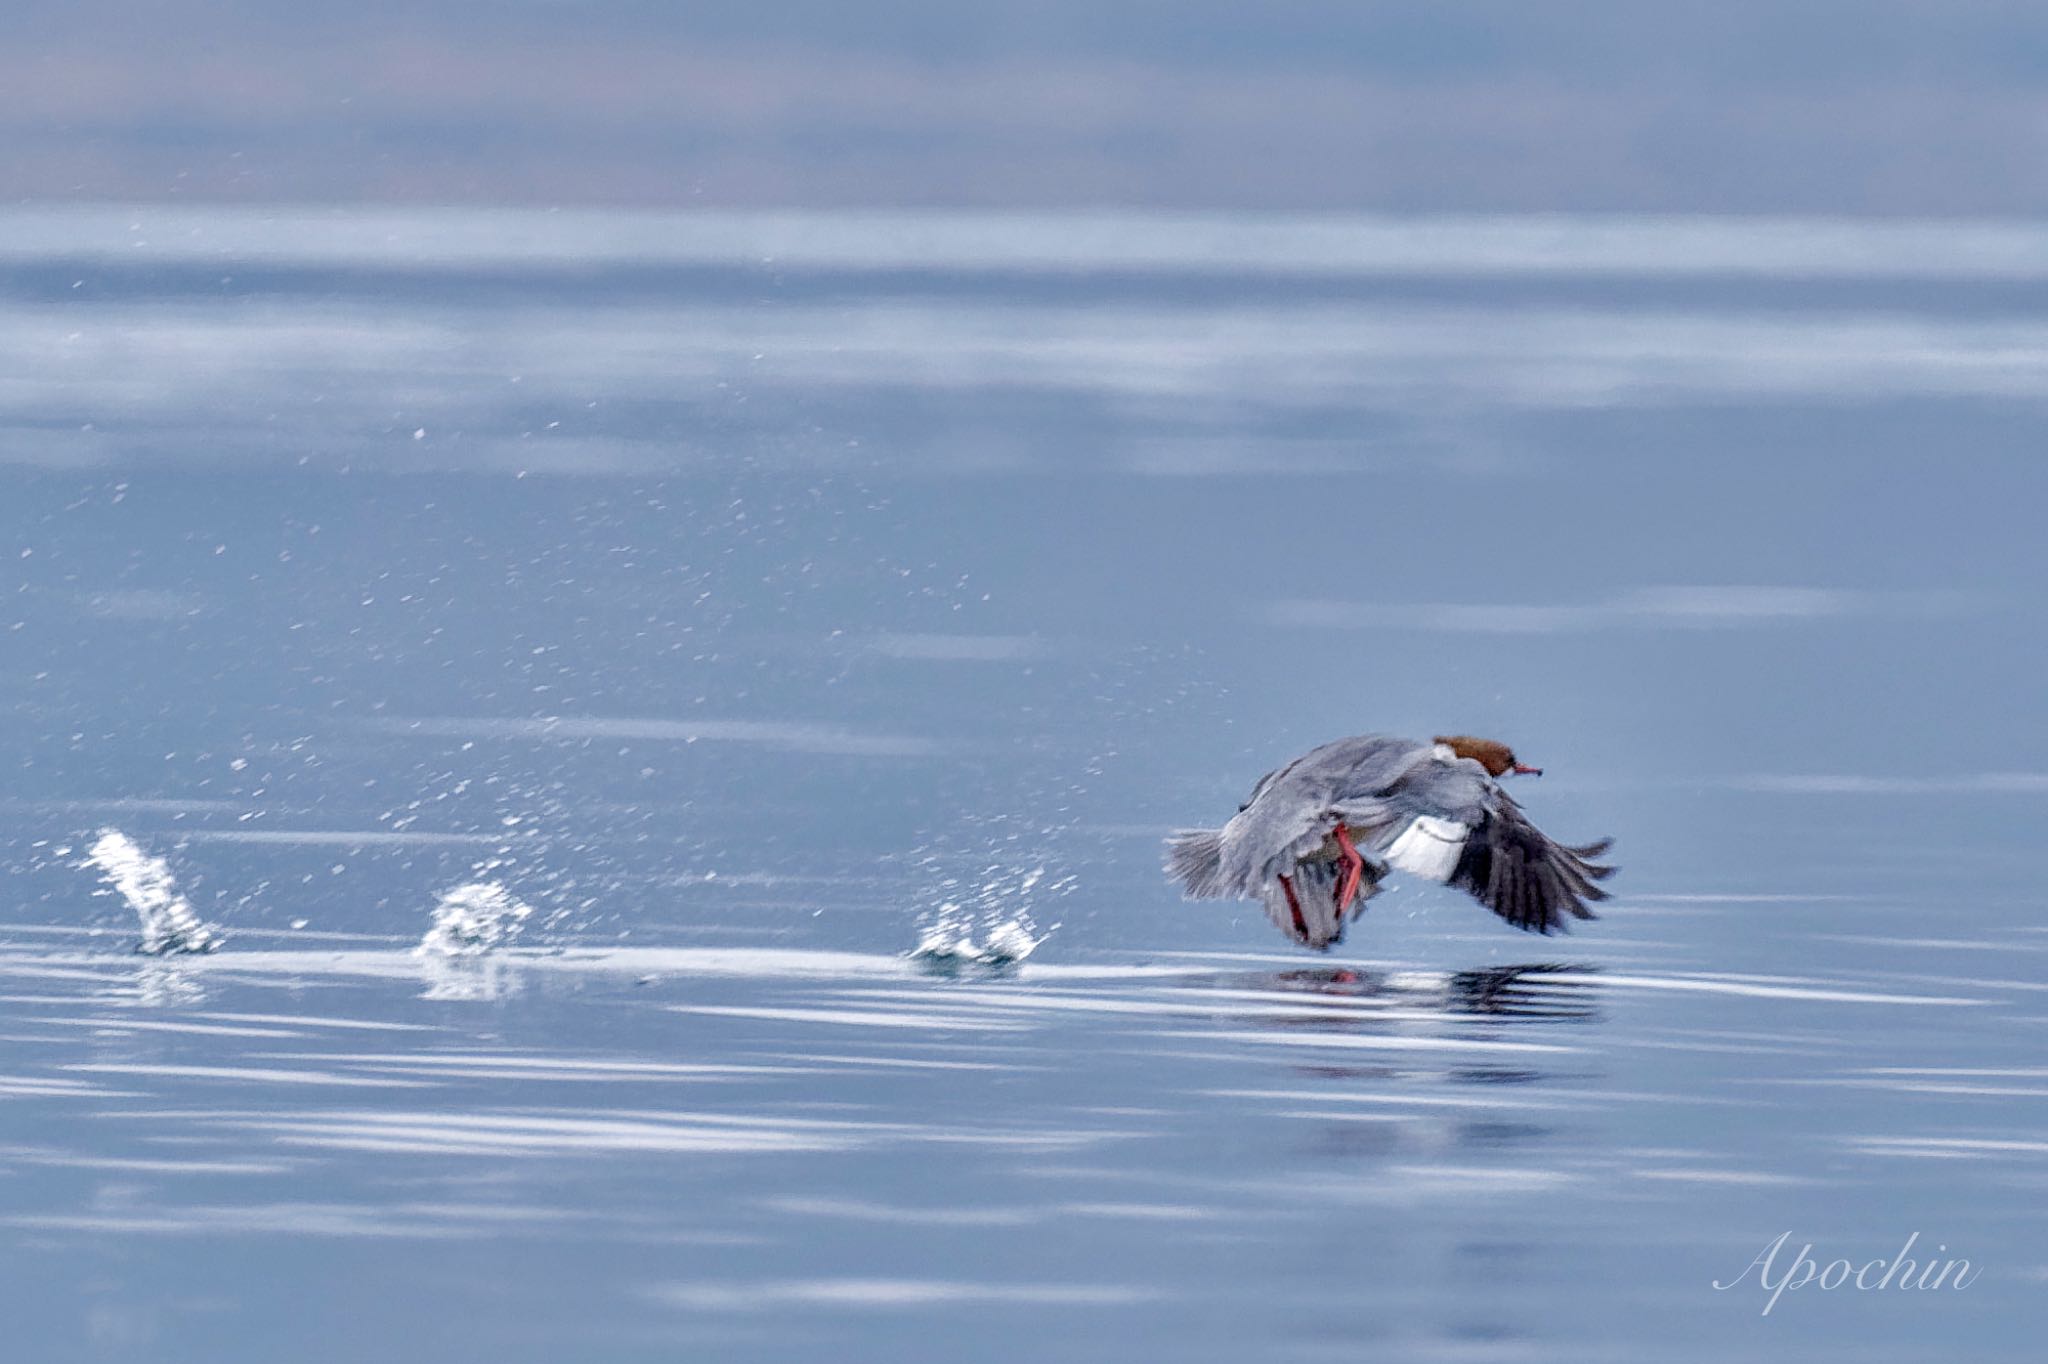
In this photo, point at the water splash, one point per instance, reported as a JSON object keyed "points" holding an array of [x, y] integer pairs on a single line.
{"points": [[472, 919], [949, 942], [458, 954], [169, 923], [986, 919]]}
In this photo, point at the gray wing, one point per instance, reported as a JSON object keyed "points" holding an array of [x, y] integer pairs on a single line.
{"points": [[1293, 808], [1474, 836]]}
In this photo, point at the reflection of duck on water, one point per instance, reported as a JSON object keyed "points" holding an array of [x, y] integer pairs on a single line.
{"points": [[1536, 990], [1539, 990]]}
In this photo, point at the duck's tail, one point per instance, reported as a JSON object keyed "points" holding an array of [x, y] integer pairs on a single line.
{"points": [[1194, 857]]}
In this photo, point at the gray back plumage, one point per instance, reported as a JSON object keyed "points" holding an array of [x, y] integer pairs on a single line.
{"points": [[1288, 813]]}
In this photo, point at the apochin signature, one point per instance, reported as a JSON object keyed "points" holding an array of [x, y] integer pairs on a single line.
{"points": [[1872, 1276]]}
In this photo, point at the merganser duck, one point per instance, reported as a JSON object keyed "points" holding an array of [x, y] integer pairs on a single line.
{"points": [[1317, 836]]}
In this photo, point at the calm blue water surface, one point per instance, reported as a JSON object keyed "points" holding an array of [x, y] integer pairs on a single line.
{"points": [[733, 605]]}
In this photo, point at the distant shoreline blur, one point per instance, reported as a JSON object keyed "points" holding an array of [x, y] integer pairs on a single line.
{"points": [[1881, 109]]}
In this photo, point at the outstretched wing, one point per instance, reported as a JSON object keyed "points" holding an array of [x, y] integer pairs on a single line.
{"points": [[1512, 868]]}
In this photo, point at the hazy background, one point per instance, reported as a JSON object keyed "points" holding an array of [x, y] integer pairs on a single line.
{"points": [[1876, 107]]}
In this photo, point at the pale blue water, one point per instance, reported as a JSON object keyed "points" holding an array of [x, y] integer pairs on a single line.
{"points": [[744, 597]]}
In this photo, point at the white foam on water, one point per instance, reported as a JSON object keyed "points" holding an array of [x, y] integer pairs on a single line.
{"points": [[291, 968], [459, 954], [169, 923], [990, 924], [949, 940], [472, 919]]}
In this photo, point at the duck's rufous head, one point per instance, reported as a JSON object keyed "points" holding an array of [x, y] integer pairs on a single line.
{"points": [[1496, 757]]}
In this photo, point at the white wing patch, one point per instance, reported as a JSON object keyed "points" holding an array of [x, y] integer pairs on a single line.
{"points": [[1428, 847]]}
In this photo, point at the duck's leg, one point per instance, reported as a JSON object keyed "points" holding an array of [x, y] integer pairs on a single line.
{"points": [[1354, 869], [1294, 904]]}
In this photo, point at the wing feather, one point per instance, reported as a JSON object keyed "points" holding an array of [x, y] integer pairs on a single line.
{"points": [[1512, 868]]}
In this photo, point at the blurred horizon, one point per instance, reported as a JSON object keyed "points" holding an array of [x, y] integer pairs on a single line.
{"points": [[1897, 108]]}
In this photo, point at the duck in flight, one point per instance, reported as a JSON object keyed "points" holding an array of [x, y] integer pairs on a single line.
{"points": [[1318, 835]]}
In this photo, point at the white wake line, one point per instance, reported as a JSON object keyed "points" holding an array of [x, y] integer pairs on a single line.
{"points": [[1752, 986], [1730, 987], [801, 964], [678, 962]]}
